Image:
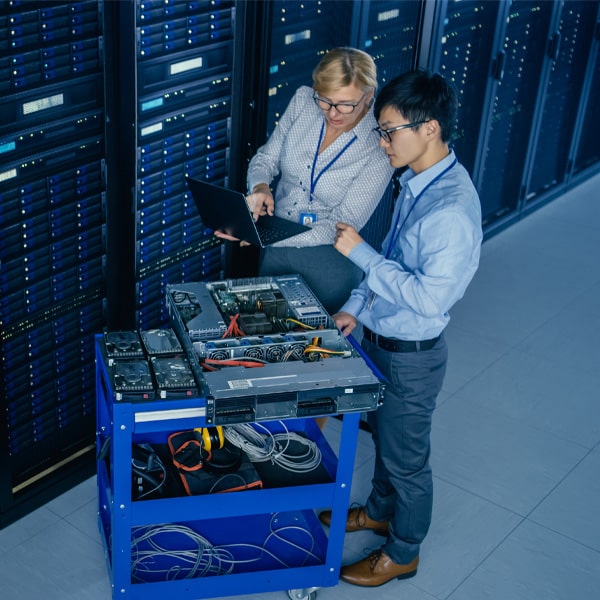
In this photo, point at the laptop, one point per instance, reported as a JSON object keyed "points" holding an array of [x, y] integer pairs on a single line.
{"points": [[227, 210]]}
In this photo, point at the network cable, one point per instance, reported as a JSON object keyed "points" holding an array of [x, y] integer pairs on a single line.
{"points": [[262, 447], [173, 551]]}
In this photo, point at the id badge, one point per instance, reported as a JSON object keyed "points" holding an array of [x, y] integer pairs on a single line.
{"points": [[308, 218]]}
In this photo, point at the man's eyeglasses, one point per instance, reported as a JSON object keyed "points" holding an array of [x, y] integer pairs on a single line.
{"points": [[385, 133], [344, 108]]}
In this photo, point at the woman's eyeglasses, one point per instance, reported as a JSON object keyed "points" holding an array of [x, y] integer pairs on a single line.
{"points": [[344, 108], [385, 133]]}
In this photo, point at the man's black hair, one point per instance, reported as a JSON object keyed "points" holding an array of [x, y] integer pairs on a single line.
{"points": [[421, 96]]}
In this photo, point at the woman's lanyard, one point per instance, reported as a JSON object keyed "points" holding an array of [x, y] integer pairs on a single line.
{"points": [[396, 232], [313, 181]]}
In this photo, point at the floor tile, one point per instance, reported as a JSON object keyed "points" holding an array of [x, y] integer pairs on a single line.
{"points": [[394, 590], [534, 564], [545, 232], [75, 498], [25, 528], [85, 520], [572, 507], [442, 397], [468, 355], [361, 480], [498, 458], [59, 563], [569, 337], [541, 393], [577, 205], [464, 530], [514, 293]]}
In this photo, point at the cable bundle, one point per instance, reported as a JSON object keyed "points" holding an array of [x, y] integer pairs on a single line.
{"points": [[274, 447], [172, 551], [196, 559]]}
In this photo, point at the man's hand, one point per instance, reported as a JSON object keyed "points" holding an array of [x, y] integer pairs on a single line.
{"points": [[346, 237], [345, 322]]}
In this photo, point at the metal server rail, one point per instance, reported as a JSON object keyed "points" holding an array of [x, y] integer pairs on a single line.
{"points": [[225, 518]]}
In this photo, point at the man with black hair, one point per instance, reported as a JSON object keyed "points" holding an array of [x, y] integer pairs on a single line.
{"points": [[427, 260]]}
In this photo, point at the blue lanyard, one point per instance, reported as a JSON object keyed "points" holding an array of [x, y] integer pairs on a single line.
{"points": [[396, 233], [313, 181]]}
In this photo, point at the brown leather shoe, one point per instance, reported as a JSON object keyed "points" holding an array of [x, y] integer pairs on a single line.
{"points": [[358, 520], [378, 568]]}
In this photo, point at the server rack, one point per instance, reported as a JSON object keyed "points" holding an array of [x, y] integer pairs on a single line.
{"points": [[586, 153], [52, 248], [516, 98], [568, 51], [391, 33], [175, 121], [520, 70], [461, 47], [300, 34]]}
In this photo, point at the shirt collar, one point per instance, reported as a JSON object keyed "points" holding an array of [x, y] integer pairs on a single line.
{"points": [[417, 183]]}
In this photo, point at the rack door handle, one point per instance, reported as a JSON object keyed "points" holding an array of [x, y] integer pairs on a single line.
{"points": [[498, 65]]}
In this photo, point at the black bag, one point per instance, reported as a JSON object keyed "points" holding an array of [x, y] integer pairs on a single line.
{"points": [[224, 468]]}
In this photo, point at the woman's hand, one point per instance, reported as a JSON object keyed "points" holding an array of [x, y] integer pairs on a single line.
{"points": [[225, 236], [261, 201]]}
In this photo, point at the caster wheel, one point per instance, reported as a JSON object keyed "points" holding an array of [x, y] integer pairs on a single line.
{"points": [[303, 594]]}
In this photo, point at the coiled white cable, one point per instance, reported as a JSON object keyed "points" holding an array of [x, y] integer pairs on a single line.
{"points": [[197, 557], [262, 447], [196, 561]]}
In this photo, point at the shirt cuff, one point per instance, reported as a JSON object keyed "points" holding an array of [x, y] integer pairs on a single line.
{"points": [[254, 178], [362, 254], [352, 306]]}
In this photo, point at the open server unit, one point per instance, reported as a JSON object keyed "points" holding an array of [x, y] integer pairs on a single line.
{"points": [[265, 348]]}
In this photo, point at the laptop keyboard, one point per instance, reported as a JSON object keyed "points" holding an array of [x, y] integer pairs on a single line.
{"points": [[270, 235]]}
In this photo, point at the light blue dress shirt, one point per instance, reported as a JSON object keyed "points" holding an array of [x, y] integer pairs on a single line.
{"points": [[428, 257], [347, 190]]}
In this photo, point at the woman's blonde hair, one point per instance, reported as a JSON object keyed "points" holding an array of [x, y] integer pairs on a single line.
{"points": [[344, 66]]}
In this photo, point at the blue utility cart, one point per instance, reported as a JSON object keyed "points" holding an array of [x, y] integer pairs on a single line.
{"points": [[298, 555]]}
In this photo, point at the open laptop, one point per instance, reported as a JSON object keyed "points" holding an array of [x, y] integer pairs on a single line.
{"points": [[227, 210]]}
